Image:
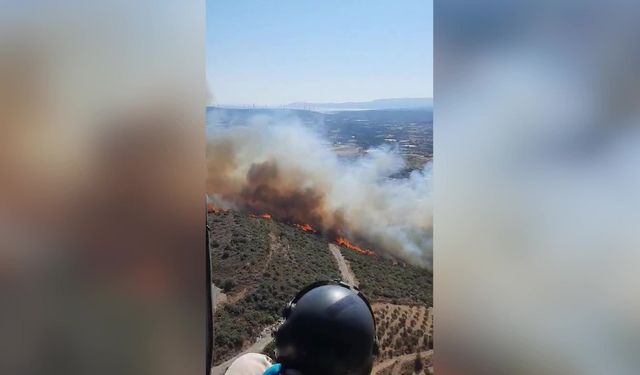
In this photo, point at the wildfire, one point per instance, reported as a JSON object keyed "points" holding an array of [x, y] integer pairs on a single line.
{"points": [[213, 209], [305, 227], [263, 216], [346, 243], [342, 241]]}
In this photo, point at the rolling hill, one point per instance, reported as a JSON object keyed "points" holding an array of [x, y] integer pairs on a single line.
{"points": [[259, 264]]}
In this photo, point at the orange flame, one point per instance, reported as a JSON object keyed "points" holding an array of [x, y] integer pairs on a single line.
{"points": [[346, 243], [263, 216], [213, 209], [305, 227]]}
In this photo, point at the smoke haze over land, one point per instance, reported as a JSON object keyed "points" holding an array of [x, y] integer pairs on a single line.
{"points": [[290, 172]]}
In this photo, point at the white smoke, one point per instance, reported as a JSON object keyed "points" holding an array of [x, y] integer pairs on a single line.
{"points": [[311, 183]]}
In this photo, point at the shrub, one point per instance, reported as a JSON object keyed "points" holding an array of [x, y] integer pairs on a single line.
{"points": [[227, 285]]}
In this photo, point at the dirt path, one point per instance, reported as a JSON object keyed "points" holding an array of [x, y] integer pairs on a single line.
{"points": [[257, 347], [274, 245], [219, 297], [276, 248], [345, 270], [401, 359]]}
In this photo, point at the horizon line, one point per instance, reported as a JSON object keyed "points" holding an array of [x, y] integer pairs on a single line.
{"points": [[301, 102]]}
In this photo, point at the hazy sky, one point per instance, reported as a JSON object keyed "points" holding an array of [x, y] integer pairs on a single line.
{"points": [[282, 51]]}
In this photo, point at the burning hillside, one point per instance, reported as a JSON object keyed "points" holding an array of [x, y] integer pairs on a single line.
{"points": [[346, 243], [338, 240], [290, 173], [342, 241], [305, 227]]}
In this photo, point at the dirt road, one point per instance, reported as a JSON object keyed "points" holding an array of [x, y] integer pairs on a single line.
{"points": [[276, 249], [345, 270], [219, 297]]}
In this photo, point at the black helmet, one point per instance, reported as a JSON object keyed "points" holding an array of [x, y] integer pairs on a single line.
{"points": [[329, 329]]}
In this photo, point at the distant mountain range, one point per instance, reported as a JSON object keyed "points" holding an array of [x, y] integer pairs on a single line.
{"points": [[392, 103]]}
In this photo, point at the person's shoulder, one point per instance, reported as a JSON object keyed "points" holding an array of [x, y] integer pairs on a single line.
{"points": [[273, 370], [250, 364]]}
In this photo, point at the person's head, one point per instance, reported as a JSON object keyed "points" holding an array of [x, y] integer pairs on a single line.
{"points": [[329, 329]]}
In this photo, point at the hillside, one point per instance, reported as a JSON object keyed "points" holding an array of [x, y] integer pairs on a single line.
{"points": [[387, 280], [259, 264], [402, 302]]}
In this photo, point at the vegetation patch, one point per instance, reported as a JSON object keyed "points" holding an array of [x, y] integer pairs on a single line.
{"points": [[389, 280], [265, 263]]}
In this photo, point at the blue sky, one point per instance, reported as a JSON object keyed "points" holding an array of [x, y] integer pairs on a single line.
{"points": [[281, 51]]}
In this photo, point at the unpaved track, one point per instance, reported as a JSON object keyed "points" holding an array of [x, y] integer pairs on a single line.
{"points": [[343, 266], [275, 248], [219, 297]]}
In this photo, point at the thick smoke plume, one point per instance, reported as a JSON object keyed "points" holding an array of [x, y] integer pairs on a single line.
{"points": [[293, 174]]}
